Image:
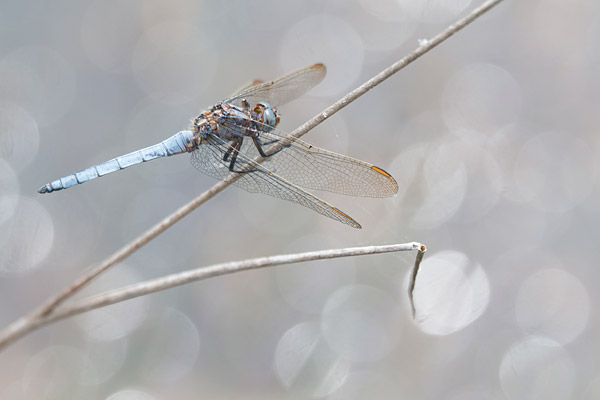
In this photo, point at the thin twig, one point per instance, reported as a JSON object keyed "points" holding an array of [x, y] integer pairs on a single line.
{"points": [[32, 319], [182, 278], [413, 279]]}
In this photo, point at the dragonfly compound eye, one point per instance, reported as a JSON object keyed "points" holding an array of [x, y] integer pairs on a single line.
{"points": [[269, 116]]}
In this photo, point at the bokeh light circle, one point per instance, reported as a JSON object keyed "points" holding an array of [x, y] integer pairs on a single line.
{"points": [[446, 179], [451, 292], [481, 98], [131, 394], [361, 323], [171, 349], [111, 49], [592, 391], [305, 364], [537, 368], [433, 11], [554, 304], [40, 80], [58, 372], [26, 238], [360, 385], [9, 192], [485, 181], [555, 184], [327, 39], [19, 136], [118, 320], [384, 26], [174, 62]]}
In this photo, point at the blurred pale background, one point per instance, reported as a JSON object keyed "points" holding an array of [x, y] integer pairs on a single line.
{"points": [[492, 138]]}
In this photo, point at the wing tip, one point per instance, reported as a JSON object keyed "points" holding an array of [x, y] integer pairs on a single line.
{"points": [[389, 177], [348, 219], [381, 171], [320, 66]]}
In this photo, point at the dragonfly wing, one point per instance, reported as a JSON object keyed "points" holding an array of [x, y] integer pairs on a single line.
{"points": [[208, 158], [311, 167], [247, 86], [282, 90]]}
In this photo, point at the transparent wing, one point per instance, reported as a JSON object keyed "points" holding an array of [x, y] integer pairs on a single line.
{"points": [[311, 167], [247, 85], [281, 90], [208, 158]]}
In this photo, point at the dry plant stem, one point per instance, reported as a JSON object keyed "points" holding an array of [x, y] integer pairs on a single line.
{"points": [[413, 279], [181, 278], [177, 279], [23, 324]]}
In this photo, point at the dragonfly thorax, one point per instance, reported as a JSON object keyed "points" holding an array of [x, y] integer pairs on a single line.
{"points": [[230, 122]]}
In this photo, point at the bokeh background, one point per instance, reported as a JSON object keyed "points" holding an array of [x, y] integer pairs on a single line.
{"points": [[492, 138]]}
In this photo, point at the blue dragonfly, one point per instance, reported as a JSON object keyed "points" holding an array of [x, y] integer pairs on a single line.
{"points": [[239, 136]]}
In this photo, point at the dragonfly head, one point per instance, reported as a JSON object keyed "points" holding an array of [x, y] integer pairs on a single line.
{"points": [[266, 115]]}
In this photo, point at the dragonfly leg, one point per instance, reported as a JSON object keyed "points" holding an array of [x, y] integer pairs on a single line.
{"points": [[259, 145], [270, 142], [235, 149], [229, 150]]}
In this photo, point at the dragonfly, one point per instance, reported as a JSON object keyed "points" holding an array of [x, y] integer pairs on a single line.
{"points": [[239, 136]]}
